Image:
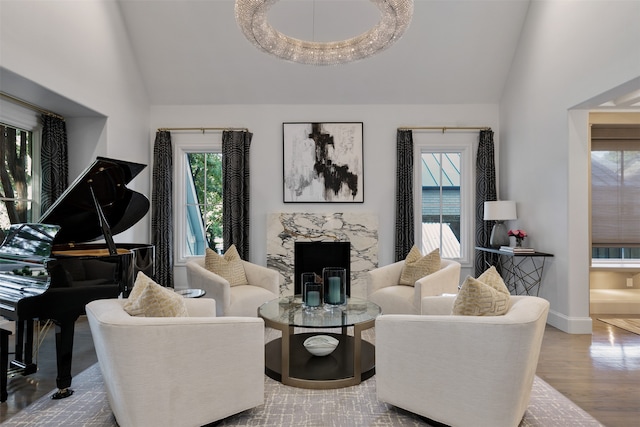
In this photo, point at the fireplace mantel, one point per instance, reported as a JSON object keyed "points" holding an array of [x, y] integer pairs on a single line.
{"points": [[361, 229]]}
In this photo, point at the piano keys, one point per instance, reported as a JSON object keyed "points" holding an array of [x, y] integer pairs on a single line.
{"points": [[48, 271]]}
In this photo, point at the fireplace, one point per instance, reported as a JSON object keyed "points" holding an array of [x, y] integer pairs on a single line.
{"points": [[287, 228], [314, 256]]}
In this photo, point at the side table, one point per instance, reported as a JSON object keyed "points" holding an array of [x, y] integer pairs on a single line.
{"points": [[191, 293], [522, 272]]}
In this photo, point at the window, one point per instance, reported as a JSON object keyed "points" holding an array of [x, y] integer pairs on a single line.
{"points": [[203, 187], [197, 195], [16, 177], [441, 203], [444, 201], [615, 192]]}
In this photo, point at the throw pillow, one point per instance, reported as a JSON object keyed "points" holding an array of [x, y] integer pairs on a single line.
{"points": [[228, 266], [148, 299], [479, 299], [417, 266], [492, 278]]}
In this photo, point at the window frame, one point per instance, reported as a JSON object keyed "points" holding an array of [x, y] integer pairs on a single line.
{"points": [[27, 119], [184, 143], [606, 119], [467, 195]]}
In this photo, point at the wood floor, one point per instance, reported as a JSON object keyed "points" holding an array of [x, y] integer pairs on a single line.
{"points": [[599, 372]]}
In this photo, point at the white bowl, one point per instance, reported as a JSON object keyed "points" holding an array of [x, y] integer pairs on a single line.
{"points": [[320, 345]]}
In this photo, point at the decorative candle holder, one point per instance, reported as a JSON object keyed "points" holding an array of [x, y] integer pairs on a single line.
{"points": [[335, 285], [311, 290], [312, 295]]}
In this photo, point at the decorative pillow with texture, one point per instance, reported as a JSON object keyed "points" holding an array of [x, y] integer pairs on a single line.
{"points": [[228, 266], [148, 299], [479, 299], [417, 266], [492, 278]]}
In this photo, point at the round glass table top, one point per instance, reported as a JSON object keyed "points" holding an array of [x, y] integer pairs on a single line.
{"points": [[290, 311]]}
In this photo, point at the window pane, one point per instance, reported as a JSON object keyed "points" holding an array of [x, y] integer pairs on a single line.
{"points": [[15, 176], [204, 202], [441, 203], [615, 199]]}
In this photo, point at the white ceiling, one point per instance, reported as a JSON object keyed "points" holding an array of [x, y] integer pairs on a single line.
{"points": [[454, 52]]}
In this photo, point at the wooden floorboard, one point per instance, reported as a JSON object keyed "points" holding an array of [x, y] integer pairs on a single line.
{"points": [[599, 372]]}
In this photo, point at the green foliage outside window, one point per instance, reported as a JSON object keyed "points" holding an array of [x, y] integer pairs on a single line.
{"points": [[15, 175], [206, 172]]}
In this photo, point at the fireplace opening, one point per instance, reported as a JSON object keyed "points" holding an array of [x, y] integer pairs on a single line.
{"points": [[314, 256]]}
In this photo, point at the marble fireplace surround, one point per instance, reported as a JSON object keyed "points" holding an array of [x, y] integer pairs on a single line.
{"points": [[361, 229]]}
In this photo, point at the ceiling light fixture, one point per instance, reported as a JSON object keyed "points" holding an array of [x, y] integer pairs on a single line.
{"points": [[251, 16]]}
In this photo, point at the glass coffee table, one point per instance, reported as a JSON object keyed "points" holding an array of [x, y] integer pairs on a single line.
{"points": [[286, 359]]}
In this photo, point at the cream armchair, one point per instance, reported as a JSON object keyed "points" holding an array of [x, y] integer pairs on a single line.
{"points": [[242, 300], [461, 370], [383, 288], [177, 371]]}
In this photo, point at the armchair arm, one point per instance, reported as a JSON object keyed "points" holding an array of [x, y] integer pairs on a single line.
{"points": [[200, 307], [443, 281], [381, 277], [258, 275], [215, 286], [437, 305]]}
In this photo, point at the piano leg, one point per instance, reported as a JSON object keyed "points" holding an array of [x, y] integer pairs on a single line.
{"points": [[24, 348], [64, 354], [4, 360], [28, 349]]}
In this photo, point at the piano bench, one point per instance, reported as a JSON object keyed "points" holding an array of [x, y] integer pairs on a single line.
{"points": [[4, 361]]}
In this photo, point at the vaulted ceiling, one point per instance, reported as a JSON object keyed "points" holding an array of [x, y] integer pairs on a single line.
{"points": [[454, 52]]}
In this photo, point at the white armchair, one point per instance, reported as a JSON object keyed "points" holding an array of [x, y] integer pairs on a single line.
{"points": [[177, 371], [461, 370], [241, 300], [383, 288]]}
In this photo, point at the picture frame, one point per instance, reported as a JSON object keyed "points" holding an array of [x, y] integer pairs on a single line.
{"points": [[323, 162]]}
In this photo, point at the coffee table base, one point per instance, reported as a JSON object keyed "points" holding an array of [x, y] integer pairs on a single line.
{"points": [[320, 372]]}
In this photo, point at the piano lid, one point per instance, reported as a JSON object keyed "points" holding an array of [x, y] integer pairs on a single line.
{"points": [[75, 211]]}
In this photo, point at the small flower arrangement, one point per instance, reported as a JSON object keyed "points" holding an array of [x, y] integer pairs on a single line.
{"points": [[519, 235]]}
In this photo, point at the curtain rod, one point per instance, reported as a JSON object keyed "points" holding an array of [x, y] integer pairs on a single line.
{"points": [[444, 128], [29, 105], [203, 129]]}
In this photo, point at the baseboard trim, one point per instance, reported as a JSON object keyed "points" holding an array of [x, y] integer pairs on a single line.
{"points": [[570, 325]]}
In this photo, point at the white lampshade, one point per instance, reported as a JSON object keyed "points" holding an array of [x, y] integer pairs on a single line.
{"points": [[501, 210]]}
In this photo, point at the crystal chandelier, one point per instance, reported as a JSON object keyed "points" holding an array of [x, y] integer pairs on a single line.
{"points": [[251, 16]]}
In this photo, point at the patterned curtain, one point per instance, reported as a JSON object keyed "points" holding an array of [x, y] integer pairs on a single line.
{"points": [[54, 160], [235, 190], [162, 208], [404, 195], [485, 192]]}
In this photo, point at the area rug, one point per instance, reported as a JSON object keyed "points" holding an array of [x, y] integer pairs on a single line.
{"points": [[631, 325], [349, 407]]}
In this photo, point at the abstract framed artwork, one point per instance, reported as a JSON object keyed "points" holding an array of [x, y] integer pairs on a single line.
{"points": [[323, 162]]}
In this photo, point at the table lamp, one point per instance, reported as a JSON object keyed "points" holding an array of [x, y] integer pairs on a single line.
{"points": [[499, 211]]}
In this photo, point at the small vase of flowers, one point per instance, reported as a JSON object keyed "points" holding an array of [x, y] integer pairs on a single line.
{"points": [[519, 235]]}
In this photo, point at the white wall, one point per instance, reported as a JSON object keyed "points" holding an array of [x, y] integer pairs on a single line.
{"points": [[380, 125], [78, 52], [569, 52]]}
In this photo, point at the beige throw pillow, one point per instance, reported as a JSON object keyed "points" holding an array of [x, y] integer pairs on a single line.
{"points": [[479, 299], [492, 278], [417, 266], [228, 266], [148, 299]]}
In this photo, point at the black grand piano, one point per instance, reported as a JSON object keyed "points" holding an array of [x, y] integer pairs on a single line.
{"points": [[47, 271]]}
